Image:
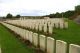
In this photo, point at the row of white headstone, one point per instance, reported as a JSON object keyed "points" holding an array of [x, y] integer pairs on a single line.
{"points": [[45, 25], [45, 43]]}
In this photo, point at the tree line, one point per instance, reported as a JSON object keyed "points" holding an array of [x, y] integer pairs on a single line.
{"points": [[67, 14], [10, 16]]}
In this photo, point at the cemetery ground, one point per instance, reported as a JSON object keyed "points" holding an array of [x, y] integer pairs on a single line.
{"points": [[10, 44], [70, 35], [9, 41]]}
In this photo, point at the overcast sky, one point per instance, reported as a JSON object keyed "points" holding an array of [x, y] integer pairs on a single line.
{"points": [[36, 7]]}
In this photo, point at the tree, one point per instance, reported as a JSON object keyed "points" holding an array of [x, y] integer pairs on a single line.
{"points": [[51, 15], [18, 16], [9, 15], [69, 13], [77, 9], [58, 15]]}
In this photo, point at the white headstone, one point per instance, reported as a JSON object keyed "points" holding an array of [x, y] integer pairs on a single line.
{"points": [[50, 29], [74, 48], [27, 35], [61, 25], [45, 28], [31, 36], [24, 33], [66, 24], [37, 26], [61, 46], [56, 25], [42, 42], [35, 39], [50, 45], [40, 27]]}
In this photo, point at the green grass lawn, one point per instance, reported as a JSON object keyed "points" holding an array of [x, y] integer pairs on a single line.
{"points": [[70, 35], [10, 44]]}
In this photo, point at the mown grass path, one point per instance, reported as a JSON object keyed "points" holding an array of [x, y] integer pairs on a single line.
{"points": [[70, 35], [10, 44]]}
